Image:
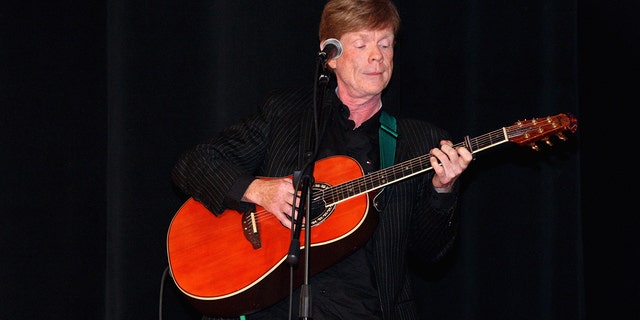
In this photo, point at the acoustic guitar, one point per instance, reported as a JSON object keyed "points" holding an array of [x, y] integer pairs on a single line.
{"points": [[235, 263]]}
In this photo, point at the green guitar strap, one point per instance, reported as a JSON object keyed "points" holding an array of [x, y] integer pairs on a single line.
{"points": [[387, 135]]}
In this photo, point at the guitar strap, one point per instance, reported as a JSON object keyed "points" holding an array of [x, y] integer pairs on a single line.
{"points": [[387, 135]]}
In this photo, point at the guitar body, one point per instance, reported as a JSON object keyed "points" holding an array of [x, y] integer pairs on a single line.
{"points": [[213, 262]]}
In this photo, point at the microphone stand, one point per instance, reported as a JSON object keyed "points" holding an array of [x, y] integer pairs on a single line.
{"points": [[304, 182], [305, 291]]}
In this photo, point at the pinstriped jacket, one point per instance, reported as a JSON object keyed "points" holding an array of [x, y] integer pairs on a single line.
{"points": [[416, 219]]}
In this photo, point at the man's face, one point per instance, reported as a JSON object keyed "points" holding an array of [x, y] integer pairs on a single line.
{"points": [[366, 64]]}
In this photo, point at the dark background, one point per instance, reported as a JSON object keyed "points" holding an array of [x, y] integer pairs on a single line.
{"points": [[100, 98]]}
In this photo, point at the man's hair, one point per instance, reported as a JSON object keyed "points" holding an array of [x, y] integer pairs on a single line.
{"points": [[342, 16]]}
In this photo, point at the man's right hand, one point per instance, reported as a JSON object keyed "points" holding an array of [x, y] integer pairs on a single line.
{"points": [[275, 195]]}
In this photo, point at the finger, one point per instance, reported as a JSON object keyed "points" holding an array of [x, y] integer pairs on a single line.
{"points": [[436, 164], [450, 151], [466, 155], [288, 211], [284, 219]]}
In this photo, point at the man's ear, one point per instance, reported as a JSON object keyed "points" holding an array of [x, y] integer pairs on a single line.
{"points": [[332, 63]]}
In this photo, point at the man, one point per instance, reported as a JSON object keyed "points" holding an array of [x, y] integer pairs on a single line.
{"points": [[417, 215]]}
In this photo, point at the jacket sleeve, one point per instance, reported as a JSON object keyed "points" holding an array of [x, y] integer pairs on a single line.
{"points": [[212, 172], [217, 173]]}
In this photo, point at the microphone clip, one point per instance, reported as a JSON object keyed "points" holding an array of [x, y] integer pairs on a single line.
{"points": [[330, 49]]}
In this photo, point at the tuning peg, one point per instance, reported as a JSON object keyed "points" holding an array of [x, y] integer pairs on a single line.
{"points": [[561, 136], [547, 141], [534, 146]]}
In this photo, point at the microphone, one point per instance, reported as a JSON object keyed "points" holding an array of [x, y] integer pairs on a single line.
{"points": [[331, 49]]}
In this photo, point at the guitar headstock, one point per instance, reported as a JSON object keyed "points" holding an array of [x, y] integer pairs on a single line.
{"points": [[528, 132]]}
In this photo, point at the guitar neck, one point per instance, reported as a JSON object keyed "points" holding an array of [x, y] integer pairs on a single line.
{"points": [[526, 132]]}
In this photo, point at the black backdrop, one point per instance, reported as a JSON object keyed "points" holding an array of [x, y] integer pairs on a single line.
{"points": [[99, 99]]}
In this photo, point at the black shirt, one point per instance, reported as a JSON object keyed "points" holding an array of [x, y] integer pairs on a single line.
{"points": [[360, 143]]}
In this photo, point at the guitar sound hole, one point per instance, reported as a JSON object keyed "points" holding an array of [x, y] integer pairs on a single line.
{"points": [[319, 210]]}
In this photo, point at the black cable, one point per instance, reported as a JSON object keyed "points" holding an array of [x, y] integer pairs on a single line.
{"points": [[164, 276]]}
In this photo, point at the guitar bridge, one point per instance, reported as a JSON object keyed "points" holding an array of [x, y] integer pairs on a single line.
{"points": [[250, 229]]}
